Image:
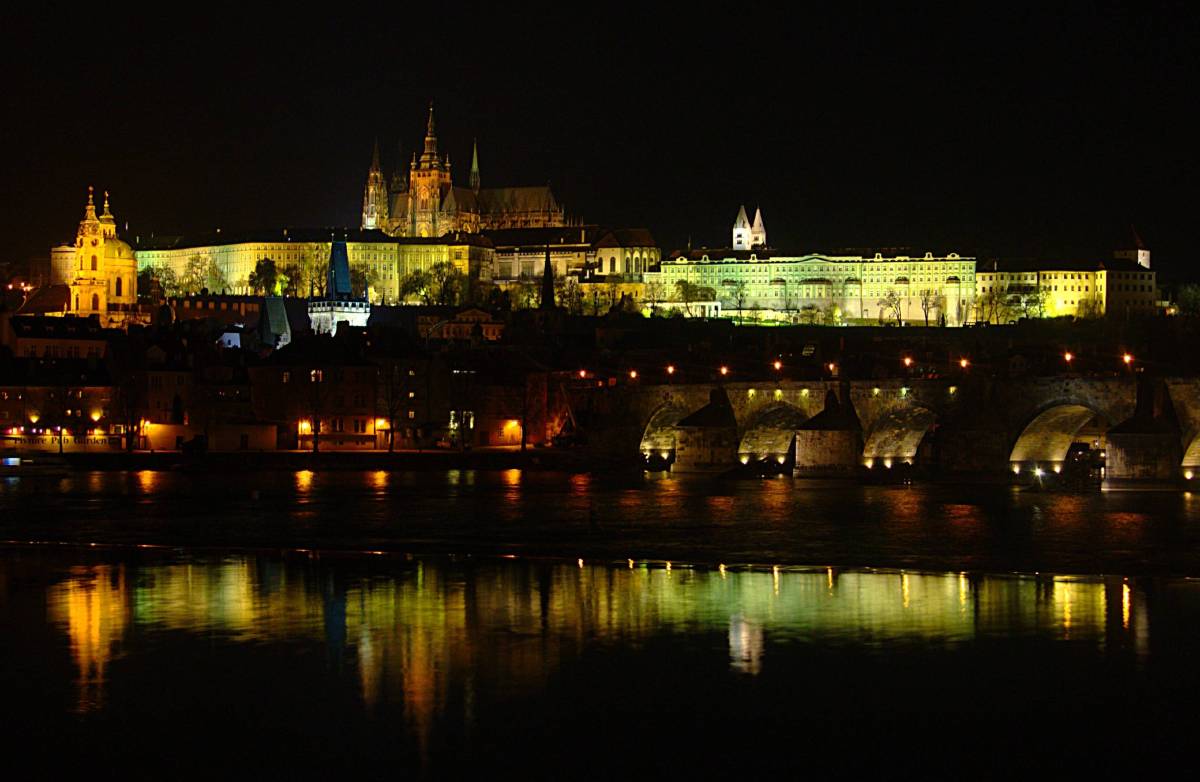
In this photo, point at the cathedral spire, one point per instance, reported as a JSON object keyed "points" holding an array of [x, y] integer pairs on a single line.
{"points": [[758, 232], [430, 158], [106, 213], [475, 165], [375, 155], [547, 302]]}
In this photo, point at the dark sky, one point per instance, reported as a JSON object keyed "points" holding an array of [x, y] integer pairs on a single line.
{"points": [[1005, 131]]}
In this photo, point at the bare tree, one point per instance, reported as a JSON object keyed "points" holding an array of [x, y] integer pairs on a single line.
{"points": [[892, 305], [931, 300]]}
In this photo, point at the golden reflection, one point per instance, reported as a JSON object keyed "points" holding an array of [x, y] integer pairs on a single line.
{"points": [[511, 477], [92, 605], [379, 479], [1125, 600], [420, 635], [148, 480], [304, 481]]}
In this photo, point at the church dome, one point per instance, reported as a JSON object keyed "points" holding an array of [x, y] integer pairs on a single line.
{"points": [[115, 248]]}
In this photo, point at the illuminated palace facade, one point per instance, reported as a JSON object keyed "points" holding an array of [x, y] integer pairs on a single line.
{"points": [[751, 278], [428, 204]]}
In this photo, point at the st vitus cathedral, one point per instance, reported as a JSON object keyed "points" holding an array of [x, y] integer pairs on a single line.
{"points": [[429, 204]]}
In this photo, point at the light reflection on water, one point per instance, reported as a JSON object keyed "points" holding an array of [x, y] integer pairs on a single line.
{"points": [[415, 629]]}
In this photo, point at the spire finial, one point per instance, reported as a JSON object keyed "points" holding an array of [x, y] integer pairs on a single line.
{"points": [[429, 125], [475, 165], [375, 155]]}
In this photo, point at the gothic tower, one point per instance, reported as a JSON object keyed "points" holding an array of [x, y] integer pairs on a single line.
{"points": [[429, 180], [375, 207], [741, 230], [758, 232]]}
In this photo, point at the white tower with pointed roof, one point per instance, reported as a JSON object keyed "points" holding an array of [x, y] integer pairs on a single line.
{"points": [[741, 230], [758, 231]]}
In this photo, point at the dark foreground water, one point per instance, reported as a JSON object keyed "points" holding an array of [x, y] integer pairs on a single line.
{"points": [[197, 640], [778, 521], [144, 663]]}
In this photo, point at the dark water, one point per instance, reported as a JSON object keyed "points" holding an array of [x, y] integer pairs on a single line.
{"points": [[780, 521], [231, 654]]}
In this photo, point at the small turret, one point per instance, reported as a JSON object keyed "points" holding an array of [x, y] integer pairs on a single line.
{"points": [[547, 302]]}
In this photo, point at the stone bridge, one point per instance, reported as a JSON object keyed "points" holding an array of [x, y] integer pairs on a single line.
{"points": [[965, 424]]}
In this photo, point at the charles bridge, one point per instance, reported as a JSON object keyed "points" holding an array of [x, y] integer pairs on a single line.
{"points": [[1148, 429]]}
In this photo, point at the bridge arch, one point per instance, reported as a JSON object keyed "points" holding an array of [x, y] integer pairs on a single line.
{"points": [[896, 437], [771, 433], [658, 436], [1046, 437]]}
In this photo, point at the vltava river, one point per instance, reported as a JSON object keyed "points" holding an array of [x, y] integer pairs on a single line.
{"points": [[764, 522], [442, 625], [177, 664]]}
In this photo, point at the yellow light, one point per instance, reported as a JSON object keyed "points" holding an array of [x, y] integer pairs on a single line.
{"points": [[670, 369], [887, 463], [1188, 474], [832, 367], [511, 424], [1128, 359], [1016, 469], [953, 389], [907, 361], [583, 373], [778, 365], [724, 370], [962, 362], [95, 415], [1068, 357], [381, 423], [630, 561], [33, 418], [721, 569], [305, 426], [580, 561], [633, 374]]}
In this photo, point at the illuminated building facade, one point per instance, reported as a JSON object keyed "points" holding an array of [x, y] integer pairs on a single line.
{"points": [[429, 204], [1123, 287], [814, 287]]}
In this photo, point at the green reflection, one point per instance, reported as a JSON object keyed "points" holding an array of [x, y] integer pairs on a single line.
{"points": [[426, 633]]}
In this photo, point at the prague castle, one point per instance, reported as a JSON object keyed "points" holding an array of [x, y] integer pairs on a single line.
{"points": [[429, 204]]}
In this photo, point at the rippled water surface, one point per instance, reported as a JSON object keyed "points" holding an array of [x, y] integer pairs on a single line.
{"points": [[779, 521], [146, 663], [443, 625]]}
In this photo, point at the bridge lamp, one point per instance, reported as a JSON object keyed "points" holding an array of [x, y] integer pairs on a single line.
{"points": [[583, 373], [832, 367], [1127, 358], [1068, 357], [908, 361], [724, 370], [778, 365], [670, 369], [633, 374], [964, 363]]}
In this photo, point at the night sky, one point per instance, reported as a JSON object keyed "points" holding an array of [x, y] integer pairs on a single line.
{"points": [[1014, 132]]}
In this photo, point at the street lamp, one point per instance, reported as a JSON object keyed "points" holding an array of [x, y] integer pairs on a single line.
{"points": [[633, 374], [670, 369], [963, 362], [908, 361], [778, 365], [1068, 357], [724, 370], [1127, 358]]}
